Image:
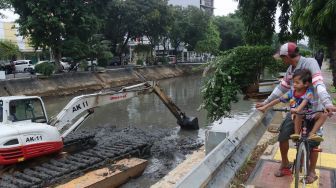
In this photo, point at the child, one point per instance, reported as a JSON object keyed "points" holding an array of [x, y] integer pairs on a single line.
{"points": [[301, 100]]}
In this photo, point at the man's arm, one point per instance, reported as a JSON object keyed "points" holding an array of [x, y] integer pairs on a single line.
{"points": [[281, 89], [317, 80]]}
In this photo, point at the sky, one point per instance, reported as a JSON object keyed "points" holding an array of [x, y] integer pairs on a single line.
{"points": [[224, 7]]}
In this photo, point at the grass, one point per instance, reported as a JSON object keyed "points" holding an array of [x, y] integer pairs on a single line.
{"points": [[245, 171], [332, 89]]}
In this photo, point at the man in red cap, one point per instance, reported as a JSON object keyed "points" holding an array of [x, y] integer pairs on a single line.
{"points": [[289, 54]]}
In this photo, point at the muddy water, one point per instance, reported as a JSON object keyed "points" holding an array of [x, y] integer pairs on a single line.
{"points": [[148, 112]]}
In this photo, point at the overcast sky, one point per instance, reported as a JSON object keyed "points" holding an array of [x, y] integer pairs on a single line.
{"points": [[224, 7]]}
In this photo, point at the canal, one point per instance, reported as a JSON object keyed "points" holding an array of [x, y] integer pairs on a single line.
{"points": [[148, 112]]}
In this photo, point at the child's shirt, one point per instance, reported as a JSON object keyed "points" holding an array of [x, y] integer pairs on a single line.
{"points": [[295, 100]]}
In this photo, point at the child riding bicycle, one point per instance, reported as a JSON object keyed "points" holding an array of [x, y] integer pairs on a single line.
{"points": [[301, 100]]}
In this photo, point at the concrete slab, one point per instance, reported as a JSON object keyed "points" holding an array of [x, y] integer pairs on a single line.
{"points": [[113, 176], [263, 177]]}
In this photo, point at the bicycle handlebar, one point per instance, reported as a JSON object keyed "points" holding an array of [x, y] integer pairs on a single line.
{"points": [[288, 110]]}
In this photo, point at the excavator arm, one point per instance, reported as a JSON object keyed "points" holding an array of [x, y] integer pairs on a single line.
{"points": [[66, 121], [83, 106], [184, 121]]}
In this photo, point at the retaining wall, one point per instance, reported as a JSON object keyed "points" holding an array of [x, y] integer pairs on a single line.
{"points": [[68, 83]]}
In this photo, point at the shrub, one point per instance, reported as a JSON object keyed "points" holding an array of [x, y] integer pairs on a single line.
{"points": [[83, 65], [234, 70], [139, 62], [163, 60], [305, 53], [45, 68], [105, 57]]}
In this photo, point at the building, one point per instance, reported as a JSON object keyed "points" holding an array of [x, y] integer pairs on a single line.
{"points": [[206, 5], [9, 32]]}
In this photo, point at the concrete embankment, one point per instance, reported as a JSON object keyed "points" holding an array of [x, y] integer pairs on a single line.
{"points": [[69, 83]]}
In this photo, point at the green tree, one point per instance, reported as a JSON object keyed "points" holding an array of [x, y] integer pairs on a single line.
{"points": [[123, 22], [178, 26], [259, 19], [50, 23], [197, 22], [234, 71], [8, 49], [231, 30], [211, 41], [317, 20], [4, 4], [156, 17]]}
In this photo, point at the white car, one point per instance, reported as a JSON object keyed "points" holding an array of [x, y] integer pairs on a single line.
{"points": [[23, 66], [65, 65]]}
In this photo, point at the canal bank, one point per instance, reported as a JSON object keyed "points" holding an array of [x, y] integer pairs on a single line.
{"points": [[70, 83]]}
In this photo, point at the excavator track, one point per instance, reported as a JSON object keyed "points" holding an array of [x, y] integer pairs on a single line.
{"points": [[69, 166]]}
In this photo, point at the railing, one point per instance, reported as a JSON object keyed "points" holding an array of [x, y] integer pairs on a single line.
{"points": [[220, 165]]}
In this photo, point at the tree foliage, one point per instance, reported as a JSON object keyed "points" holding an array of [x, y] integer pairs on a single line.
{"points": [[317, 19], [259, 19], [8, 49], [197, 22], [4, 4], [234, 71], [231, 30], [211, 41], [50, 23]]}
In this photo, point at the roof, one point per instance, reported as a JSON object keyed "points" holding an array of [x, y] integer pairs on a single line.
{"points": [[9, 98]]}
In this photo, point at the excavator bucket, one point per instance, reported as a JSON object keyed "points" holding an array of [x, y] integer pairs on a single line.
{"points": [[189, 123]]}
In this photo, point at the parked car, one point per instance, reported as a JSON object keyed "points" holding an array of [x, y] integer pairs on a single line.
{"points": [[65, 65], [24, 66], [89, 61]]}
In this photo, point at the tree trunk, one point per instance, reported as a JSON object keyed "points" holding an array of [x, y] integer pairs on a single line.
{"points": [[57, 58]]}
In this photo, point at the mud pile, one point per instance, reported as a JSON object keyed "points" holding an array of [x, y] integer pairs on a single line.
{"points": [[163, 148]]}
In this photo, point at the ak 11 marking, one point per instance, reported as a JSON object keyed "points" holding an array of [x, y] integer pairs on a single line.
{"points": [[80, 106]]}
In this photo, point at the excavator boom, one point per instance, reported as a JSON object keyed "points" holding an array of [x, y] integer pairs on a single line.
{"points": [[86, 103], [67, 120], [184, 121]]}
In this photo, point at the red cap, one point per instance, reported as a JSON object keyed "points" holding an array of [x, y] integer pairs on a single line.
{"points": [[288, 49]]}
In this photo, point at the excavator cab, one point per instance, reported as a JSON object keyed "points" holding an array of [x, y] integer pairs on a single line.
{"points": [[26, 109]]}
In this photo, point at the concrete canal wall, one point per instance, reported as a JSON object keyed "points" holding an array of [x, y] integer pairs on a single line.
{"points": [[69, 83]]}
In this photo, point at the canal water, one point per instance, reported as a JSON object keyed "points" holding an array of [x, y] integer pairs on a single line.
{"points": [[147, 111]]}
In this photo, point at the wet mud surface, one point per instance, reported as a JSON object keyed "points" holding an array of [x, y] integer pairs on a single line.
{"points": [[164, 149]]}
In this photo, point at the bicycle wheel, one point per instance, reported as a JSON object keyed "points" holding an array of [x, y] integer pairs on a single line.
{"points": [[301, 165]]}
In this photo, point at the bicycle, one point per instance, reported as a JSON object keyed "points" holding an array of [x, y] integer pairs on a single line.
{"points": [[303, 150]]}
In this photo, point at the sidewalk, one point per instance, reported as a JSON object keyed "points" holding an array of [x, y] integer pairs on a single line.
{"points": [[262, 175]]}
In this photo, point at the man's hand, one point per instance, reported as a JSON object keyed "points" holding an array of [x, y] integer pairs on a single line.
{"points": [[262, 109], [259, 104]]}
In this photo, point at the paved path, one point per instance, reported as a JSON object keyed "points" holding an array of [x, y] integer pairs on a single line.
{"points": [[262, 176]]}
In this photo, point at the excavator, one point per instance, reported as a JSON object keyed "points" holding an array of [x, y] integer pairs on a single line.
{"points": [[26, 132]]}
